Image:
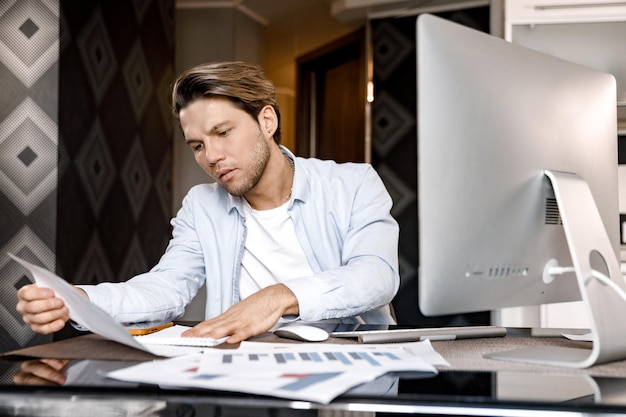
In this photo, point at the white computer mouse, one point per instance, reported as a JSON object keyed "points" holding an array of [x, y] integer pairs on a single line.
{"points": [[302, 332]]}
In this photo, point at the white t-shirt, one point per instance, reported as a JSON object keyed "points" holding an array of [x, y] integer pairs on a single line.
{"points": [[272, 252]]}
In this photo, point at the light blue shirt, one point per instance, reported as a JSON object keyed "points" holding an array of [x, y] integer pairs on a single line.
{"points": [[341, 215]]}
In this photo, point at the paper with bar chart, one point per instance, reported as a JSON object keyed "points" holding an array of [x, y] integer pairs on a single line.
{"points": [[313, 372]]}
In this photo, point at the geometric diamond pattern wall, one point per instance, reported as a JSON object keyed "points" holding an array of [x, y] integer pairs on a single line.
{"points": [[394, 148], [85, 142], [117, 60], [29, 56]]}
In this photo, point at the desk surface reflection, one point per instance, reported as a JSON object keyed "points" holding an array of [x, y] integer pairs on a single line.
{"points": [[86, 391]]}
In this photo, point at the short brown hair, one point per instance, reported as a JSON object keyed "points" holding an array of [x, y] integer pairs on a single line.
{"points": [[242, 83]]}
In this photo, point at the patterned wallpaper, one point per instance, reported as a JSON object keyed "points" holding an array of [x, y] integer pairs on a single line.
{"points": [[85, 141], [394, 148], [29, 65], [114, 193]]}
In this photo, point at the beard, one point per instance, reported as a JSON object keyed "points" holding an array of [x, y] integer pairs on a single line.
{"points": [[256, 163]]}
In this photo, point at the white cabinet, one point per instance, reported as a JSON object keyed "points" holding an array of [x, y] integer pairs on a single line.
{"points": [[521, 12], [589, 32]]}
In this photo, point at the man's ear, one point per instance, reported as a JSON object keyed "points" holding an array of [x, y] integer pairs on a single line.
{"points": [[268, 121]]}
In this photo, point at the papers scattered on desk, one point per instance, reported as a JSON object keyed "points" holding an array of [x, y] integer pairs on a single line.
{"points": [[312, 372], [98, 321]]}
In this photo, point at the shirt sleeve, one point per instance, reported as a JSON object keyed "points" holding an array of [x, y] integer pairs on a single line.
{"points": [[163, 293], [365, 276]]}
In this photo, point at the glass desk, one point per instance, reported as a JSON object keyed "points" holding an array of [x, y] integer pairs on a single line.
{"points": [[503, 391], [88, 393]]}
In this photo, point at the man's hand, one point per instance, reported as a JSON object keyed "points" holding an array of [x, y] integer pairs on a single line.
{"points": [[40, 309], [249, 317]]}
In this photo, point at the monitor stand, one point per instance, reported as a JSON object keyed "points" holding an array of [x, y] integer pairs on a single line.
{"points": [[586, 237]]}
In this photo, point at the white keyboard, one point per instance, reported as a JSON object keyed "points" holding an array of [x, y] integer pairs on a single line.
{"points": [[417, 334], [179, 341]]}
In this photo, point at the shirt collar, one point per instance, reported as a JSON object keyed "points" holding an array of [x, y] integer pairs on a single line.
{"points": [[299, 190]]}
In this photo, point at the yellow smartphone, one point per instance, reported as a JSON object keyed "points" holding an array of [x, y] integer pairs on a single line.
{"points": [[140, 329]]}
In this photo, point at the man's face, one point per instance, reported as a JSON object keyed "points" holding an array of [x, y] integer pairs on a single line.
{"points": [[227, 143]]}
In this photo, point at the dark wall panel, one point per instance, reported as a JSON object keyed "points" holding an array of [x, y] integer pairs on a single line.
{"points": [[394, 148], [116, 66]]}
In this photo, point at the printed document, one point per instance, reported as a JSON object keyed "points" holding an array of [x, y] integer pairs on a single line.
{"points": [[316, 372], [98, 321]]}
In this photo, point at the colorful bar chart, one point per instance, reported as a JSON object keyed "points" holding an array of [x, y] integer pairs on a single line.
{"points": [[347, 358]]}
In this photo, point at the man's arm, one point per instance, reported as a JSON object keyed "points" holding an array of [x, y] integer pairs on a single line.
{"points": [[162, 293]]}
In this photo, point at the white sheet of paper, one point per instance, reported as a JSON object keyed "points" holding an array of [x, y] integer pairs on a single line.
{"points": [[281, 370], [425, 350], [587, 337], [182, 372], [89, 315]]}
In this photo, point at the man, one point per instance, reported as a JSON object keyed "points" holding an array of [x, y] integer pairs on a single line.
{"points": [[274, 236]]}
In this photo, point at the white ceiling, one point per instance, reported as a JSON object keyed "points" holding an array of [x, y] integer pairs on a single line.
{"points": [[278, 12], [275, 11], [267, 12]]}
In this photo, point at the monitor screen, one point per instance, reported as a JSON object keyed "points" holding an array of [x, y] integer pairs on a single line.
{"points": [[493, 117]]}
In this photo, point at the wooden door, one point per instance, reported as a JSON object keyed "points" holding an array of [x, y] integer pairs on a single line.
{"points": [[331, 101]]}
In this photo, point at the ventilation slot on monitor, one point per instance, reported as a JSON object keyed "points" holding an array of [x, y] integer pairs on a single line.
{"points": [[553, 216], [507, 271]]}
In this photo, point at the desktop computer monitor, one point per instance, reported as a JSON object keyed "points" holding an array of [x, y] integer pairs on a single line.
{"points": [[517, 173]]}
